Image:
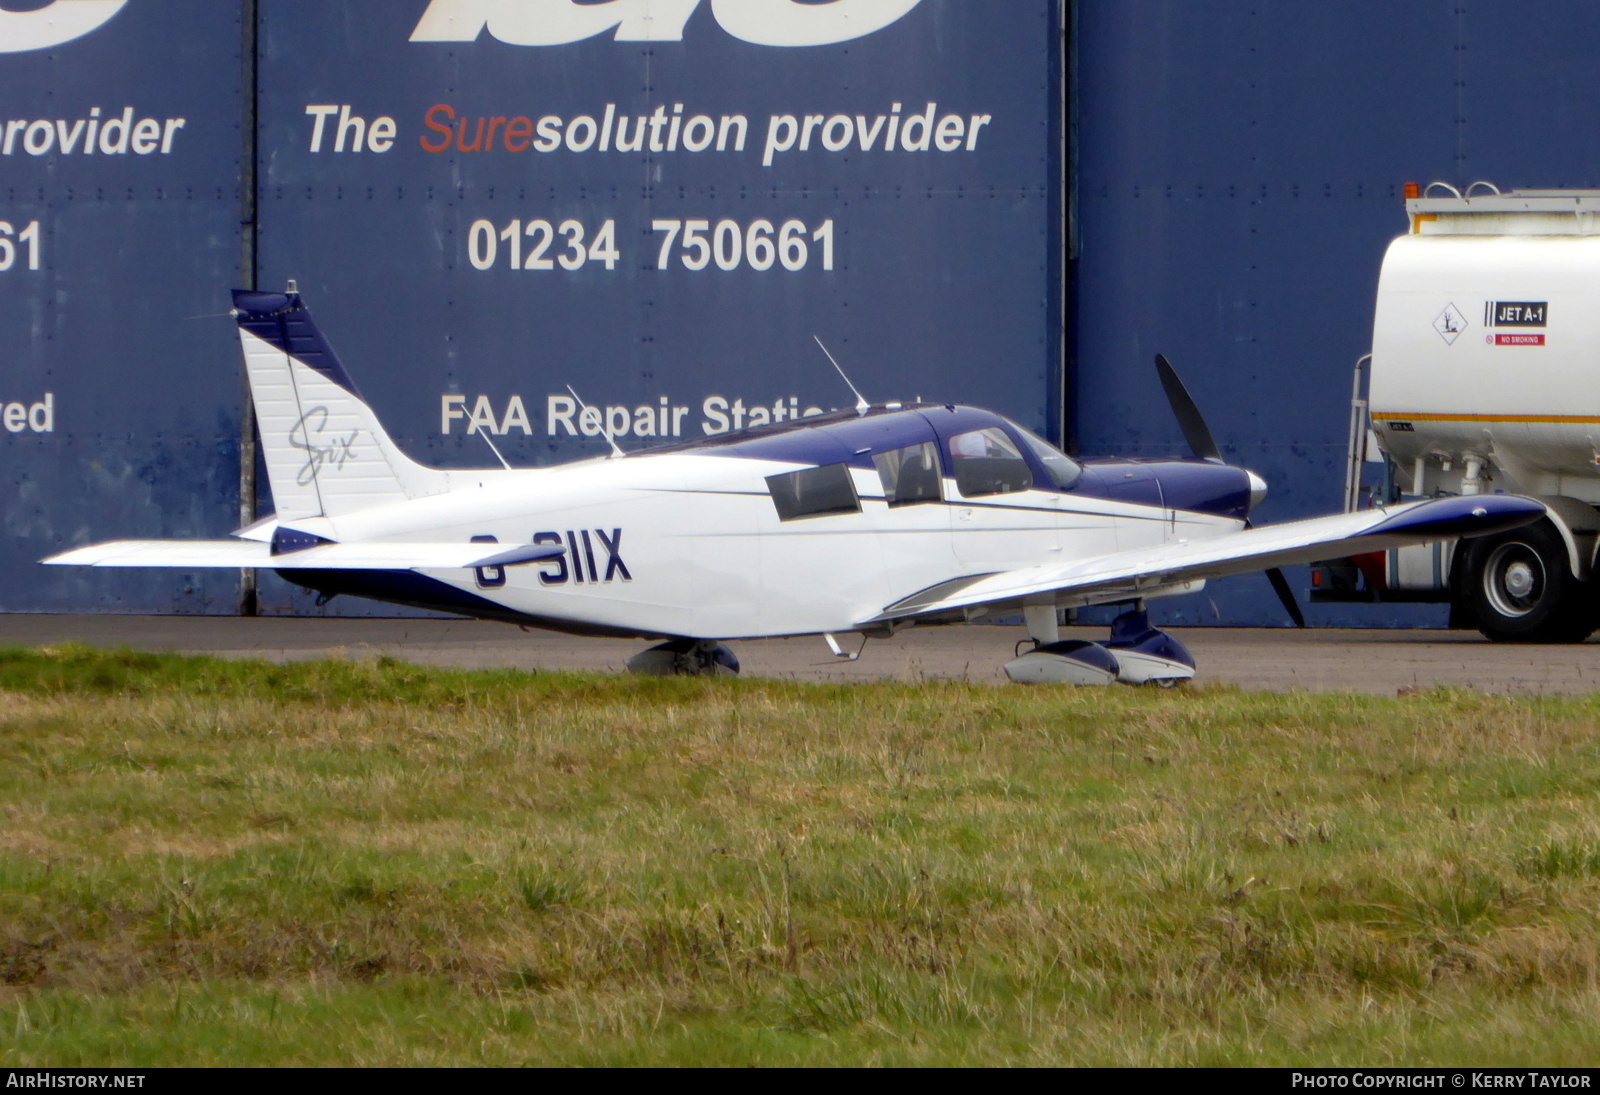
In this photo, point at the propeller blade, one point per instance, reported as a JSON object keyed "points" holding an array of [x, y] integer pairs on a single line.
{"points": [[1280, 586], [1187, 414]]}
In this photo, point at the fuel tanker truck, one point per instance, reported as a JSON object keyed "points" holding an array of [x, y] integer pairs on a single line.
{"points": [[1484, 378]]}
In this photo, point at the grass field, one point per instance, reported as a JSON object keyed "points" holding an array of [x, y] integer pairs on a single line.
{"points": [[207, 862]]}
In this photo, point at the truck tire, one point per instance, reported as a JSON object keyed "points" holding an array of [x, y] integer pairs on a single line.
{"points": [[1520, 589]]}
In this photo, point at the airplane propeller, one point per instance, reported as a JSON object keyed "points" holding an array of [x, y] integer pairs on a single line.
{"points": [[1187, 414], [1201, 443]]}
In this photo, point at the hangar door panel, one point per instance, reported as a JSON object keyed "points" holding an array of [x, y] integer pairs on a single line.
{"points": [[492, 208]]}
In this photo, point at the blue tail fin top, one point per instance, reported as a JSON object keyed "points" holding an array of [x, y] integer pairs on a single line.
{"points": [[283, 321]]}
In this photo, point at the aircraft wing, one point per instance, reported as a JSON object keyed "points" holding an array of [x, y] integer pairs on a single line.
{"points": [[1134, 573], [367, 555]]}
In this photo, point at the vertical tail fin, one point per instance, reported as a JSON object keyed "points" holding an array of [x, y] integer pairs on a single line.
{"points": [[325, 452]]}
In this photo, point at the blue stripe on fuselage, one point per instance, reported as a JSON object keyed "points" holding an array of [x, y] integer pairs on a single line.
{"points": [[407, 587]]}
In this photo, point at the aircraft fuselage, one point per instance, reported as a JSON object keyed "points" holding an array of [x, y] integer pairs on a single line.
{"points": [[808, 527]]}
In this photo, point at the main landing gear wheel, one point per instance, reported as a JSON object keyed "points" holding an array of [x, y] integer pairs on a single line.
{"points": [[1519, 588], [686, 658], [1135, 654]]}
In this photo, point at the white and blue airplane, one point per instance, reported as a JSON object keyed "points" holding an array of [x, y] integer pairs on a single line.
{"points": [[856, 522]]}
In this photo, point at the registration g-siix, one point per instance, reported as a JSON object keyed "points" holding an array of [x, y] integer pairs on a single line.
{"points": [[860, 522]]}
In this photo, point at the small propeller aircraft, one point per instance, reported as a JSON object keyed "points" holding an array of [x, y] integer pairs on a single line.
{"points": [[859, 522]]}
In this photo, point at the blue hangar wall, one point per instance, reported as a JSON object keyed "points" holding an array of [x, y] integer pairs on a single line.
{"points": [[1239, 171], [120, 170], [488, 201], [1235, 171]]}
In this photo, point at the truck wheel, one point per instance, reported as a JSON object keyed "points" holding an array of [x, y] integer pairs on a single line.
{"points": [[1519, 588]]}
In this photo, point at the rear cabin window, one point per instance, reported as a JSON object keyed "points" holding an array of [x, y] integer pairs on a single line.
{"points": [[813, 492], [987, 462], [910, 475]]}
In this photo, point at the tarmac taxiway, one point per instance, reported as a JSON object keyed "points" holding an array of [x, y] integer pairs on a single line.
{"points": [[1372, 661]]}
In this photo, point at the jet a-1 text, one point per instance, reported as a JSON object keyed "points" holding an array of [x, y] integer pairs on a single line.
{"points": [[863, 521]]}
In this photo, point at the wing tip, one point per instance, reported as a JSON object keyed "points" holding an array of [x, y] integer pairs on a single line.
{"points": [[1465, 515]]}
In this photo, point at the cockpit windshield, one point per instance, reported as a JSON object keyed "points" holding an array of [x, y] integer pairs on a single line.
{"points": [[1064, 470]]}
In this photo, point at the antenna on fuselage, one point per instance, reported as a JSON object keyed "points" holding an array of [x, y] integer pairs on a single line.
{"points": [[504, 463], [616, 450], [862, 406]]}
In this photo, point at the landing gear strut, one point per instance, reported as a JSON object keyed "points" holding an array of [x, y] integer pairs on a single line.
{"points": [[1135, 654], [686, 658]]}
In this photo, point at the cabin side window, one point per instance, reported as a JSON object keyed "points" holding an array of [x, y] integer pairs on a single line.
{"points": [[813, 492], [987, 462], [910, 475]]}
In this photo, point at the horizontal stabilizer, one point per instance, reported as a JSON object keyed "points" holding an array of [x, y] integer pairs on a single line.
{"points": [[1143, 570], [167, 553], [384, 555]]}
